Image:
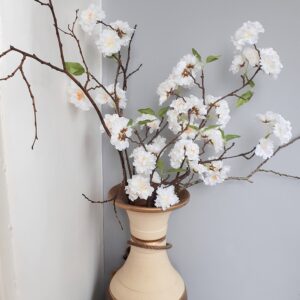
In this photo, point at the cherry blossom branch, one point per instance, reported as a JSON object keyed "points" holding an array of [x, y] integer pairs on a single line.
{"points": [[259, 167]]}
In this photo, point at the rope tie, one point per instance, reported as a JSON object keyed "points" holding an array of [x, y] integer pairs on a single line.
{"points": [[136, 242]]}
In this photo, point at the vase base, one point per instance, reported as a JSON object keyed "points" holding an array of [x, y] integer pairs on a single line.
{"points": [[111, 297]]}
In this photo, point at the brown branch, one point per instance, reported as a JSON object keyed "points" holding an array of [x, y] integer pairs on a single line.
{"points": [[96, 202], [60, 45], [11, 74], [128, 59], [33, 105], [42, 3], [133, 72], [278, 173]]}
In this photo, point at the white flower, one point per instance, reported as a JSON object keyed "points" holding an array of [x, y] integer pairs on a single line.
{"points": [[265, 148], [89, 17], [173, 122], [78, 98], [214, 136], [109, 121], [280, 127], [180, 106], [238, 64], [139, 187], [120, 133], [209, 99], [270, 62], [109, 42], [252, 56], [165, 90], [123, 30], [223, 112], [156, 178], [143, 161], [189, 132], [283, 130], [268, 118], [198, 168], [157, 145], [153, 124], [185, 70], [166, 197], [247, 34], [181, 150], [216, 173], [197, 108], [106, 98]]}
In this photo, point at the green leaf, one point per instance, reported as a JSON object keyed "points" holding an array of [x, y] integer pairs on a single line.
{"points": [[144, 122], [178, 170], [211, 127], [229, 137], [251, 83], [160, 165], [74, 68], [162, 111], [130, 122], [196, 54], [243, 99], [223, 133], [147, 111], [194, 127], [212, 58]]}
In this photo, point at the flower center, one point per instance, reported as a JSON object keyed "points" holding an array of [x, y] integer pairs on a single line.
{"points": [[120, 33], [122, 134], [79, 95]]}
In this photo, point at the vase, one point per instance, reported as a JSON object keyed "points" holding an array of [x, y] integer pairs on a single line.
{"points": [[147, 273]]}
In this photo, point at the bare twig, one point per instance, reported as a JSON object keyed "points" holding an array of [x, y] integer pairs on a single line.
{"points": [[99, 202], [278, 173], [33, 106], [136, 70]]}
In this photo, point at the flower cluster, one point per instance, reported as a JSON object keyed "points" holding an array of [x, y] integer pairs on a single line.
{"points": [[277, 127], [249, 55], [159, 165]]}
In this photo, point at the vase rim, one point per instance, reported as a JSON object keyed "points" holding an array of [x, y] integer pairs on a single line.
{"points": [[184, 197]]}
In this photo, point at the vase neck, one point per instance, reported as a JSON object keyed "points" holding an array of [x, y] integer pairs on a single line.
{"points": [[148, 226]]}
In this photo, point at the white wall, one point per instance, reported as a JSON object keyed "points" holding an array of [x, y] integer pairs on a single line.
{"points": [[55, 235]]}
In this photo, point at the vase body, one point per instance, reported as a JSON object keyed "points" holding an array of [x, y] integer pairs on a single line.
{"points": [[147, 273]]}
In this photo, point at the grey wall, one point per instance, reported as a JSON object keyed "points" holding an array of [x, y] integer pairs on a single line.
{"points": [[237, 241]]}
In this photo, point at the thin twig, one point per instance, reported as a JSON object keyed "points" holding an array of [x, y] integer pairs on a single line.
{"points": [[136, 70], [33, 106]]}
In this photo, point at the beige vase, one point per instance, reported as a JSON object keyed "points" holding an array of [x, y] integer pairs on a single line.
{"points": [[147, 273]]}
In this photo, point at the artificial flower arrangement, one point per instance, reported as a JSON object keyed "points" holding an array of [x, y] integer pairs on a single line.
{"points": [[155, 168]]}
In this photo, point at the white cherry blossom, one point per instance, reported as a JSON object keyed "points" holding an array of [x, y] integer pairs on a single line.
{"points": [[78, 98], [109, 42], [88, 18], [143, 161], [165, 90], [252, 56], [270, 62], [157, 145], [120, 131], [265, 148], [123, 30], [166, 197], [247, 34], [139, 187], [106, 97]]}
